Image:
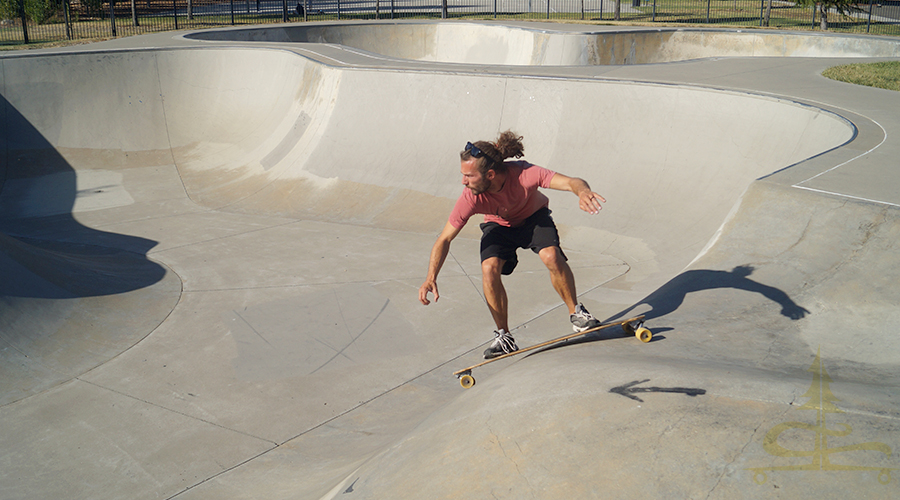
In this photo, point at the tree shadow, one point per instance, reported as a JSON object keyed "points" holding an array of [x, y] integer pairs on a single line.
{"points": [[669, 297], [71, 297], [44, 251]]}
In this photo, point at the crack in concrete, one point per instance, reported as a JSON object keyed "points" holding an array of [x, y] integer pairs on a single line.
{"points": [[515, 464], [739, 454]]}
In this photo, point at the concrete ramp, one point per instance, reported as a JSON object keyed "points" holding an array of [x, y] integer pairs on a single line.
{"points": [[557, 45], [730, 371], [211, 254]]}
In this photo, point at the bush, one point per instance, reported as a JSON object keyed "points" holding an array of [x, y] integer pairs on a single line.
{"points": [[37, 11]]}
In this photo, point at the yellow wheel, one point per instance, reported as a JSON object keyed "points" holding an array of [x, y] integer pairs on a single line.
{"points": [[628, 328], [643, 334], [466, 381]]}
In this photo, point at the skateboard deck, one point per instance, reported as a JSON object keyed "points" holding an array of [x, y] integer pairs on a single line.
{"points": [[632, 326]]}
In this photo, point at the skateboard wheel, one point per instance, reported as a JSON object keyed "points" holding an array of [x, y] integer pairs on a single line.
{"points": [[643, 334], [466, 381], [628, 328]]}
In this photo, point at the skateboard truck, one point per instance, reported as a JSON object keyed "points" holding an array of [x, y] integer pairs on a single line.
{"points": [[637, 329], [466, 379]]}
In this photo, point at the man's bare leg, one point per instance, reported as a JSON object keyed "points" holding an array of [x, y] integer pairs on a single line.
{"points": [[561, 276], [494, 292]]}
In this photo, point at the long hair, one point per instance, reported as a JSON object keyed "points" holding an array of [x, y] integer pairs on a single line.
{"points": [[508, 145]]}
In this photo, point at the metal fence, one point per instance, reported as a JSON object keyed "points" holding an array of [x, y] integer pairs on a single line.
{"points": [[41, 21]]}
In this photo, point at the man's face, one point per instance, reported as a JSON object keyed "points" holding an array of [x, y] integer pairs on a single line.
{"points": [[472, 178]]}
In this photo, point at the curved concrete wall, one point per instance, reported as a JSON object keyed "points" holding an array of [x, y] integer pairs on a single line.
{"points": [[473, 43], [271, 132]]}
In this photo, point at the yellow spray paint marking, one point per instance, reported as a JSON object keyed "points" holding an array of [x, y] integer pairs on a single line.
{"points": [[822, 401]]}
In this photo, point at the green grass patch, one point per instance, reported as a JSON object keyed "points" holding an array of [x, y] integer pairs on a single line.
{"points": [[883, 75]]}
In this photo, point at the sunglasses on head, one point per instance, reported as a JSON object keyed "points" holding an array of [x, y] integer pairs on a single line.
{"points": [[473, 150]]}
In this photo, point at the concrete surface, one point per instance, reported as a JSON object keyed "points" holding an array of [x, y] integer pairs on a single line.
{"points": [[211, 251]]}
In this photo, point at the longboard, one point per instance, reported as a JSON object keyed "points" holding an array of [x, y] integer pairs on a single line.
{"points": [[633, 326]]}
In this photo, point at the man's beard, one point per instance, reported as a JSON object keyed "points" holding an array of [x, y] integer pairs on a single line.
{"points": [[482, 187]]}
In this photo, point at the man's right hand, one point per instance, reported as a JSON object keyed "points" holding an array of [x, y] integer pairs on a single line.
{"points": [[438, 254], [428, 286]]}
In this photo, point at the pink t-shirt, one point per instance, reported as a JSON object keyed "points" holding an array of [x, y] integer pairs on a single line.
{"points": [[517, 200]]}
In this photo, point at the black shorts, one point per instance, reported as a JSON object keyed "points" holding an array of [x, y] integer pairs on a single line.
{"points": [[537, 232]]}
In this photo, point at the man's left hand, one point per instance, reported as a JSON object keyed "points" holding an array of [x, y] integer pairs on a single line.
{"points": [[590, 201]]}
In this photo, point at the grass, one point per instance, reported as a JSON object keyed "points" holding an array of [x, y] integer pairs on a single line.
{"points": [[883, 75]]}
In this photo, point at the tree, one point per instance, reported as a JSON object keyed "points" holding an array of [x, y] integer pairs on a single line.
{"points": [[845, 7], [38, 11]]}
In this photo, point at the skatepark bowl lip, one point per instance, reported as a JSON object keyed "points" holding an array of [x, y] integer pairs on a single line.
{"points": [[493, 43], [237, 144]]}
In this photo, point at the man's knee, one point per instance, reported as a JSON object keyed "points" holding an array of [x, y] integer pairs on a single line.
{"points": [[492, 267], [553, 258]]}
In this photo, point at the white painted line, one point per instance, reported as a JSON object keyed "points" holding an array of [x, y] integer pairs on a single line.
{"points": [[800, 185], [883, 140], [822, 191]]}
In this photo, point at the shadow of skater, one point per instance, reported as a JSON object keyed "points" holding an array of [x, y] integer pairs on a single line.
{"points": [[670, 296]]}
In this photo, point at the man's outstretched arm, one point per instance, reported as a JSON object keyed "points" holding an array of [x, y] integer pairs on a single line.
{"points": [[439, 253], [588, 200]]}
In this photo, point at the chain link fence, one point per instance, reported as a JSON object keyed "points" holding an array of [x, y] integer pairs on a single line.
{"points": [[41, 21]]}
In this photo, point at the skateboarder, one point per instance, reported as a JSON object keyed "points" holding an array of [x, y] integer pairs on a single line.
{"points": [[516, 216]]}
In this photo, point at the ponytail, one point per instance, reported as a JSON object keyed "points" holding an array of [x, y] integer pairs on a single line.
{"points": [[508, 145]]}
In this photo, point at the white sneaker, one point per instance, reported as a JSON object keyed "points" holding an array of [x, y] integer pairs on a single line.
{"points": [[504, 343], [583, 320]]}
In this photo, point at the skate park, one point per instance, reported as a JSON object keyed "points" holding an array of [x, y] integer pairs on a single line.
{"points": [[212, 242]]}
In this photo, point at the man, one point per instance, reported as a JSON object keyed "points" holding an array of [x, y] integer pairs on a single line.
{"points": [[516, 216]]}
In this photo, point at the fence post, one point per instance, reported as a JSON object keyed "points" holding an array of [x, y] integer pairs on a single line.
{"points": [[68, 21], [869, 20], [21, 5], [112, 16], [175, 12], [548, 9], [134, 16]]}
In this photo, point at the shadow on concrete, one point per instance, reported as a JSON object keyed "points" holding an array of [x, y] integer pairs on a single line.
{"points": [[44, 251], [71, 297], [669, 297]]}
